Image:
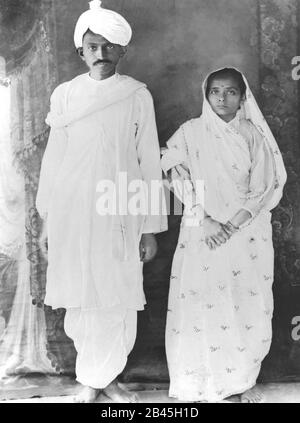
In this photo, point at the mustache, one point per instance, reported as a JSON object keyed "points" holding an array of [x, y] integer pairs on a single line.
{"points": [[99, 61]]}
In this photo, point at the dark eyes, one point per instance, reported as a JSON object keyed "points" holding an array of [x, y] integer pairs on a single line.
{"points": [[107, 47], [215, 92]]}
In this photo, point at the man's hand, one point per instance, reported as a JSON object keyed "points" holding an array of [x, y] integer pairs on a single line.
{"points": [[148, 247], [43, 241], [215, 233]]}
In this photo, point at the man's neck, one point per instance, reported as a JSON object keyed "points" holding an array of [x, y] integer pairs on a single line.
{"points": [[100, 76]]}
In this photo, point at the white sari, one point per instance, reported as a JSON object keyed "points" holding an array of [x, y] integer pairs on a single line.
{"points": [[220, 301]]}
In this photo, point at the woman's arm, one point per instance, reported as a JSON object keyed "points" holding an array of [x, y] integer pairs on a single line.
{"points": [[262, 181], [175, 166]]}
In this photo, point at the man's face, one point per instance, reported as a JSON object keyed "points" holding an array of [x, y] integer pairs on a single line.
{"points": [[225, 97], [100, 55]]}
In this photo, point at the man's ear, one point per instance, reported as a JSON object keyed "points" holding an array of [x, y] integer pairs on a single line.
{"points": [[80, 52], [123, 51]]}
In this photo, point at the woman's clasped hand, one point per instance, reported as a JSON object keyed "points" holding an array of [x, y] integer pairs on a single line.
{"points": [[217, 233]]}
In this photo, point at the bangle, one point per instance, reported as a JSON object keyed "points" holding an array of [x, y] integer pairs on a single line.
{"points": [[231, 226]]}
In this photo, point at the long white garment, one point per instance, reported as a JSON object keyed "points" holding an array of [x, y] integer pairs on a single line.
{"points": [[103, 339], [99, 129], [220, 301]]}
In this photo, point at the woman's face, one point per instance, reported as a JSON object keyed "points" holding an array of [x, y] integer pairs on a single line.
{"points": [[224, 96]]}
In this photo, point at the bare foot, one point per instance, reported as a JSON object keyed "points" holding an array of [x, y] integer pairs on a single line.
{"points": [[87, 394], [118, 394], [253, 395]]}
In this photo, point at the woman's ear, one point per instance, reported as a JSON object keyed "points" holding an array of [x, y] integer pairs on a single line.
{"points": [[243, 99]]}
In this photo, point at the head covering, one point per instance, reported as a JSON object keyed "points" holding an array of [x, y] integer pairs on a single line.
{"points": [[111, 25], [216, 153]]}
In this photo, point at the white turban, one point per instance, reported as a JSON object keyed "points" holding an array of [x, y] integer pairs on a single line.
{"points": [[111, 25]]}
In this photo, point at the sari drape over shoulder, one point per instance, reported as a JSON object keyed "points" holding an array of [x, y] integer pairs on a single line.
{"points": [[237, 173], [220, 301]]}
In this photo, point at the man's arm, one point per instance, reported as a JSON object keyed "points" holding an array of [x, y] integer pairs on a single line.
{"points": [[149, 160], [53, 156]]}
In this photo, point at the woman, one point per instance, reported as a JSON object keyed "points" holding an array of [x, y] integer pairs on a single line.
{"points": [[220, 301]]}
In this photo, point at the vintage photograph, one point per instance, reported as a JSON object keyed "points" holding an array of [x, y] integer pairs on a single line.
{"points": [[149, 202]]}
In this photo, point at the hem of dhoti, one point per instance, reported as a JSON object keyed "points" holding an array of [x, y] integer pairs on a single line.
{"points": [[104, 383], [100, 386], [217, 398]]}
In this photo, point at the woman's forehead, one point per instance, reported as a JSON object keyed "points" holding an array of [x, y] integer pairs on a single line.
{"points": [[224, 82]]}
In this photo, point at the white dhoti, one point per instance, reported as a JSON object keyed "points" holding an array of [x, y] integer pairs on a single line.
{"points": [[103, 339]]}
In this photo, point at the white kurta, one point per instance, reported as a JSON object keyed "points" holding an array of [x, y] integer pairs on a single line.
{"points": [[83, 270]]}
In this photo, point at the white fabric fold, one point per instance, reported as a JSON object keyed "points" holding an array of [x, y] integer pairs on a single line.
{"points": [[124, 88]]}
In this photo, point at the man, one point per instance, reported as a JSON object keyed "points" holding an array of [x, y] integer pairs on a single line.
{"points": [[102, 130]]}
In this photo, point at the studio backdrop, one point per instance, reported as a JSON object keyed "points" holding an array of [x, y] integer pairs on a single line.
{"points": [[175, 44]]}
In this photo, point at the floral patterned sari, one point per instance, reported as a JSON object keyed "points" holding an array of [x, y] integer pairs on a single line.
{"points": [[220, 301]]}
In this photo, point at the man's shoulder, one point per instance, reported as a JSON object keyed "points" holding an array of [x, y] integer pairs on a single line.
{"points": [[61, 88], [138, 89], [122, 77], [129, 81]]}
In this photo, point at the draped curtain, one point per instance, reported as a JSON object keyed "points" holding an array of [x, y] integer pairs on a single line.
{"points": [[24, 337]]}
